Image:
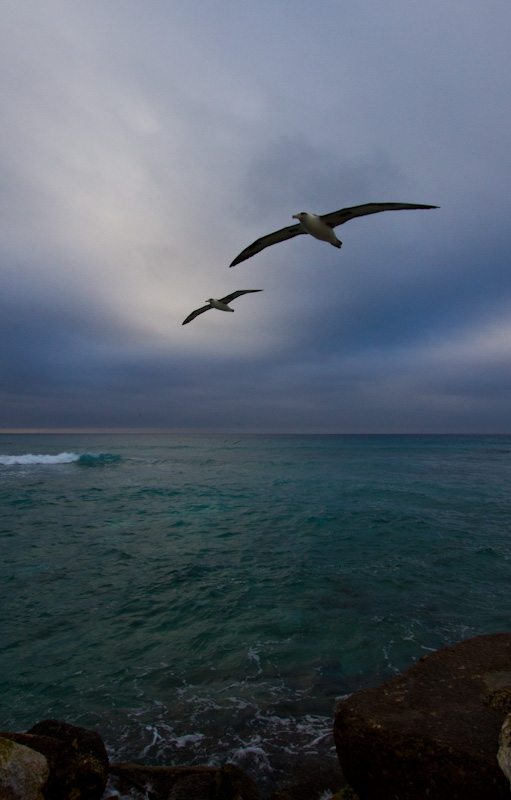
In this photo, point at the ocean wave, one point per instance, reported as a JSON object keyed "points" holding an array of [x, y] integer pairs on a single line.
{"points": [[97, 459], [83, 459]]}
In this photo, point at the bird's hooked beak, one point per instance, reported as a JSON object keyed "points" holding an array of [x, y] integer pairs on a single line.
{"points": [[296, 216]]}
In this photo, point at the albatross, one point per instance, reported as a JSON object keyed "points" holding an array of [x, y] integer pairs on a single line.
{"points": [[321, 227], [221, 304]]}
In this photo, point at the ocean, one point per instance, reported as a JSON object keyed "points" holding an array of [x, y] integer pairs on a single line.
{"points": [[198, 599]]}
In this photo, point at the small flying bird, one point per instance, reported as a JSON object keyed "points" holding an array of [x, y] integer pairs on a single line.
{"points": [[222, 304], [321, 227]]}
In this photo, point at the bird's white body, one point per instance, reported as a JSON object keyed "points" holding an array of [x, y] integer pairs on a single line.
{"points": [[218, 304], [313, 224]]}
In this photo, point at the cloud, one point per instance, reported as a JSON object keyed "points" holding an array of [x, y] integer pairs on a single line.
{"points": [[143, 149]]}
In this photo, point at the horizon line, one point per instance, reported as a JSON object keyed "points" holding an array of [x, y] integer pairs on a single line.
{"points": [[229, 431]]}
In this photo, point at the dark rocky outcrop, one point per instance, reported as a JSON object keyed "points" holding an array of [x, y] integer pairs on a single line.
{"points": [[76, 757], [432, 732]]}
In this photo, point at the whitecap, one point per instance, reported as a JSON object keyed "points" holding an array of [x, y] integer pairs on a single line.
{"points": [[253, 655], [252, 754], [190, 738], [30, 458]]}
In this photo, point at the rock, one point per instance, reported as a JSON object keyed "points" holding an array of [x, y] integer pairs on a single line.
{"points": [[433, 731], [23, 772], [194, 785], [60, 758], [157, 782], [504, 752], [90, 756], [302, 793], [312, 779], [186, 783], [76, 756], [231, 783]]}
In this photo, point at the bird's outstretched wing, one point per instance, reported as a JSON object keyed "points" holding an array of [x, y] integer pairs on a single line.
{"points": [[227, 299], [196, 313], [266, 241], [339, 217]]}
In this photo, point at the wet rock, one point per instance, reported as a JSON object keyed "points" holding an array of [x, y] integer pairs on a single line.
{"points": [[185, 783], [90, 760], [60, 758], [433, 731], [231, 783], [313, 779], [501, 699], [504, 752], [302, 792], [23, 772], [157, 782], [76, 757], [195, 786]]}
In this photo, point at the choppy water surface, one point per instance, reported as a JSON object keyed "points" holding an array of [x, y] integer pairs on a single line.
{"points": [[198, 599]]}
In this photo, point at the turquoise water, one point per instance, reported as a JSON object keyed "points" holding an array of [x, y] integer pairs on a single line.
{"points": [[197, 599]]}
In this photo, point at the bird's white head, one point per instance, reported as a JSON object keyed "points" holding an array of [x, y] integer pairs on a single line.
{"points": [[300, 216]]}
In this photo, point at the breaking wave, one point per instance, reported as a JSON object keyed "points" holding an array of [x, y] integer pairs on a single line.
{"points": [[83, 459]]}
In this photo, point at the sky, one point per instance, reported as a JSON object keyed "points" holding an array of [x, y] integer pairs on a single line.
{"points": [[143, 145]]}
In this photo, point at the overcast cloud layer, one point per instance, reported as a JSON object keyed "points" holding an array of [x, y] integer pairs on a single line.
{"points": [[144, 145]]}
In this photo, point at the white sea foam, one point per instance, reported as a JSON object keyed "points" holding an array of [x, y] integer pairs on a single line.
{"points": [[30, 458], [190, 739], [252, 753], [253, 655]]}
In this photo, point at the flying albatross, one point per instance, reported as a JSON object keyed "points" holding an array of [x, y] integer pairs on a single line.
{"points": [[321, 227], [222, 304]]}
